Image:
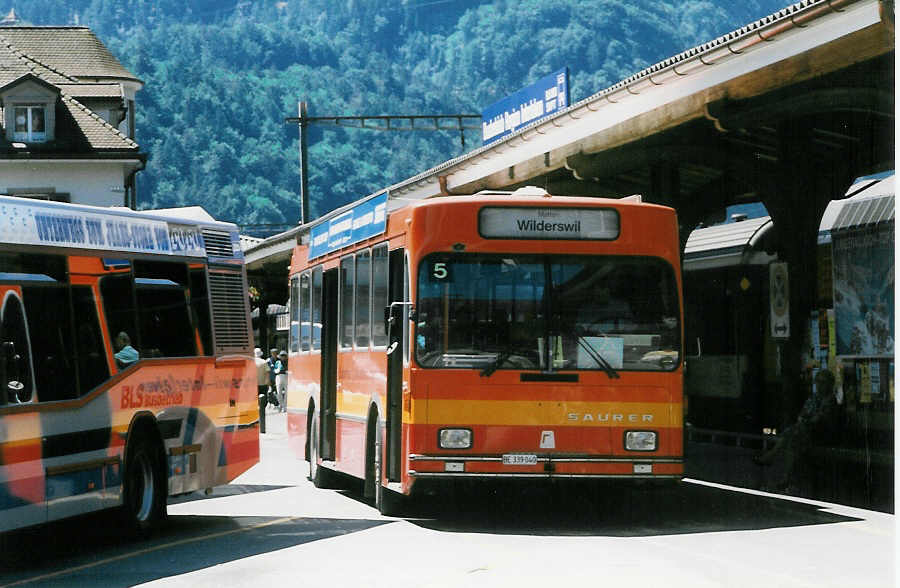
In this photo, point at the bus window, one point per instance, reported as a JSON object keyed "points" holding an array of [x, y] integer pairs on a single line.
{"points": [[118, 304], [345, 331], [164, 323], [25, 266], [379, 294], [15, 360], [623, 310], [92, 366], [294, 315], [316, 317], [303, 303], [50, 334], [406, 287], [200, 308], [362, 299]]}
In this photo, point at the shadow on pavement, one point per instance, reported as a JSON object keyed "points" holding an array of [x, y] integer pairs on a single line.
{"points": [[226, 490], [822, 474], [92, 550], [593, 510]]}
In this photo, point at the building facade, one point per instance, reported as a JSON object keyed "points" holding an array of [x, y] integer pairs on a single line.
{"points": [[67, 117]]}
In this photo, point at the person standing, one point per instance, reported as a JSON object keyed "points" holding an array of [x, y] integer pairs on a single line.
{"points": [[281, 377], [262, 372], [273, 369], [816, 424]]}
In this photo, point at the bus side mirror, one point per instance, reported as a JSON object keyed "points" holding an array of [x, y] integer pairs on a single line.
{"points": [[12, 381], [391, 324], [394, 322]]}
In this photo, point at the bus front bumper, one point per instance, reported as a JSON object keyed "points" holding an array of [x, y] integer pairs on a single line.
{"points": [[545, 466]]}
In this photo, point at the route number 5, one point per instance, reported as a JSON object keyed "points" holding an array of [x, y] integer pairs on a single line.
{"points": [[439, 271]]}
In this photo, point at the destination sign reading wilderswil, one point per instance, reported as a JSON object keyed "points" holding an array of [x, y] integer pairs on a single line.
{"points": [[547, 96], [496, 222]]}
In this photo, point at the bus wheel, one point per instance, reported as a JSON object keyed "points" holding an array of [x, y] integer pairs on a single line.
{"points": [[144, 489], [318, 475], [388, 502]]}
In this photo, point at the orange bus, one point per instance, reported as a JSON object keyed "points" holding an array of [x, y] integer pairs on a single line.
{"points": [[488, 336], [125, 361]]}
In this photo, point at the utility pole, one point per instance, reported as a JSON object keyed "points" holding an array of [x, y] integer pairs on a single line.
{"points": [[393, 122], [304, 183]]}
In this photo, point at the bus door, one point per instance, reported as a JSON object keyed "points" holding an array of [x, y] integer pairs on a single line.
{"points": [[397, 315], [328, 396]]}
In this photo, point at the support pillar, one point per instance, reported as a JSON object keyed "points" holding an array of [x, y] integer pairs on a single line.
{"points": [[665, 183], [804, 188]]}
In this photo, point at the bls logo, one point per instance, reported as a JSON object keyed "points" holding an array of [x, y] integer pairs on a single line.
{"points": [[130, 399]]}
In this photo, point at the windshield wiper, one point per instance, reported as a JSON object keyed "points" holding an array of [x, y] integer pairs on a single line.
{"points": [[596, 356], [498, 361]]}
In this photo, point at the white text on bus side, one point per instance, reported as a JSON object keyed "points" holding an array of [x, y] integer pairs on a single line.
{"points": [[616, 418]]}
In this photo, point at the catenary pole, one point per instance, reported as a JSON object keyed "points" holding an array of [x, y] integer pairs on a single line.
{"points": [[423, 122], [304, 182]]}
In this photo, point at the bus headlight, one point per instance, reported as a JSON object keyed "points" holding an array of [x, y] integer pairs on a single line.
{"points": [[640, 440], [455, 439]]}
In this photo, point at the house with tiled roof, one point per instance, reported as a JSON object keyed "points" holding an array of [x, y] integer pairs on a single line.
{"points": [[67, 111]]}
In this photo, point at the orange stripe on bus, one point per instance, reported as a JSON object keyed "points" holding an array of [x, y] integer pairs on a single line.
{"points": [[549, 412]]}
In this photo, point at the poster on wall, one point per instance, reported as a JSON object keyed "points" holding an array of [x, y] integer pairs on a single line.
{"points": [[864, 291]]}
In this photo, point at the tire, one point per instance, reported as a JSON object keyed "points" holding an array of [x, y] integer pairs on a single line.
{"points": [[144, 488], [319, 476], [388, 502]]}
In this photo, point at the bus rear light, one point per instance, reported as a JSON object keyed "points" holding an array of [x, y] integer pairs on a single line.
{"points": [[640, 440], [455, 439]]}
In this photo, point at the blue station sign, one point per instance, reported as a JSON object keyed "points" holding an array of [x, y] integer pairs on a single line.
{"points": [[363, 221], [547, 96]]}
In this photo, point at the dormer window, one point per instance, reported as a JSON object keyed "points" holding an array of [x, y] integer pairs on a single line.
{"points": [[29, 110], [30, 123]]}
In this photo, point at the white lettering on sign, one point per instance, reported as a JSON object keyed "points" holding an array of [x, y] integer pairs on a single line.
{"points": [[365, 220], [493, 128], [186, 240]]}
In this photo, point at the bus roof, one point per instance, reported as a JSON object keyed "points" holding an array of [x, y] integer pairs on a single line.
{"points": [[171, 232], [367, 217]]}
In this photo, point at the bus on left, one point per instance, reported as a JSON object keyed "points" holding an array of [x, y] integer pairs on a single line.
{"points": [[126, 372]]}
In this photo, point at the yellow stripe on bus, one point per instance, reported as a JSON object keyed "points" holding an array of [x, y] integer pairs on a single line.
{"points": [[520, 412], [353, 403]]}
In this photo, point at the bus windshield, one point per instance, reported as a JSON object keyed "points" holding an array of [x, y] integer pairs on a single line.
{"points": [[547, 312]]}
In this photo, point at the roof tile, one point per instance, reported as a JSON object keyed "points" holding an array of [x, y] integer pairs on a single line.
{"points": [[74, 52], [100, 134], [62, 56]]}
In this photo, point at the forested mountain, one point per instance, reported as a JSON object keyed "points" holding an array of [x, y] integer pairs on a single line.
{"points": [[221, 77]]}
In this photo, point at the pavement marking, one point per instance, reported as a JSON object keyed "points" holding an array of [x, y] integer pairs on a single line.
{"points": [[149, 550]]}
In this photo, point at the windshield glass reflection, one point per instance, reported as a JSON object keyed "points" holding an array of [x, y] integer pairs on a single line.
{"points": [[532, 312]]}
